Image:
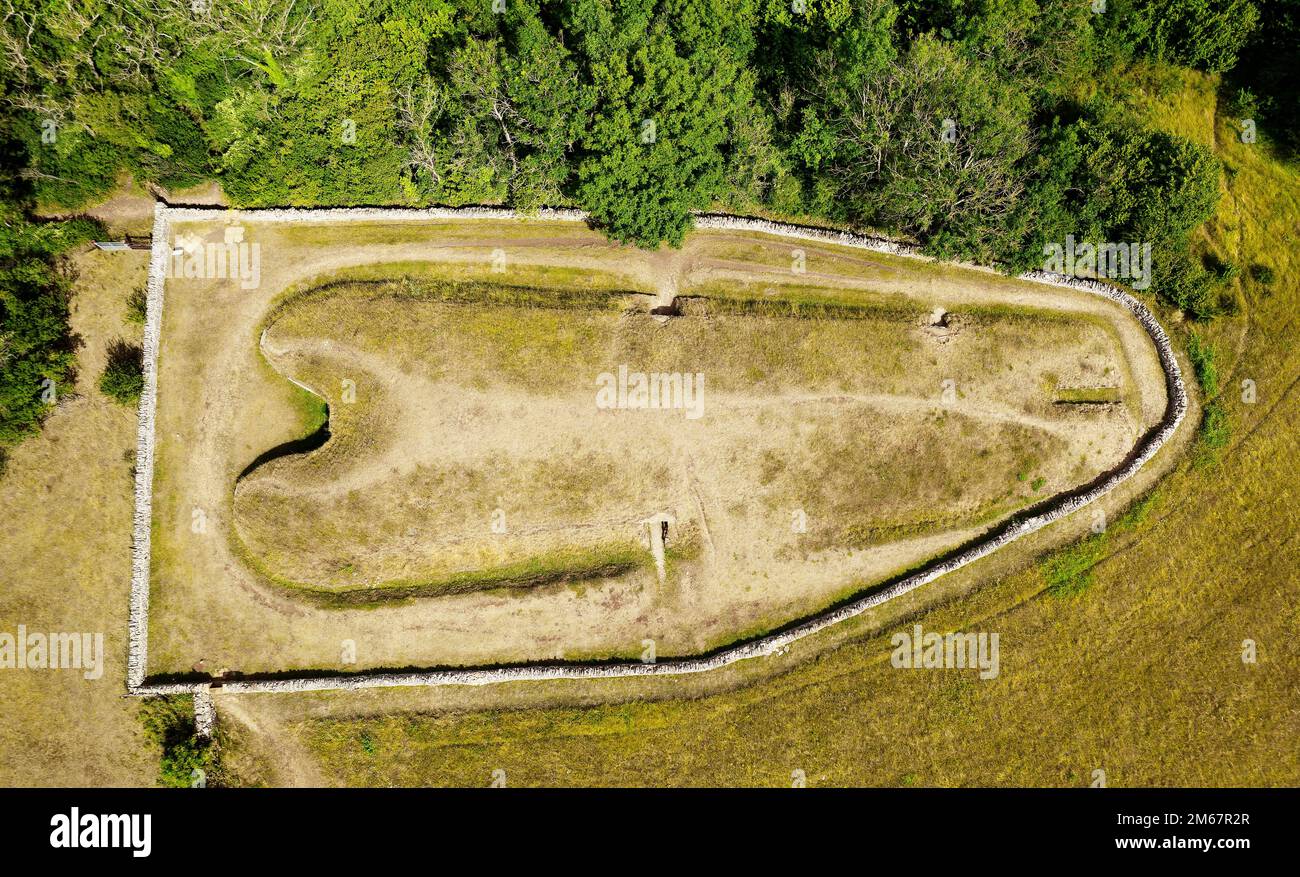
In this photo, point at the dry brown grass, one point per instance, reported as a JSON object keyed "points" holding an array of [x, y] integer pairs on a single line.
{"points": [[65, 544], [405, 489], [817, 388]]}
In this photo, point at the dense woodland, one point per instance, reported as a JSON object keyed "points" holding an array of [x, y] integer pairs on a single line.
{"points": [[981, 128]]}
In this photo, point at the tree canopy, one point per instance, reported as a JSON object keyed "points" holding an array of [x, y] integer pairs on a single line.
{"points": [[981, 128]]}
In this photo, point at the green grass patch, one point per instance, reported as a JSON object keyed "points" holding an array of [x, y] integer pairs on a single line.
{"points": [[1204, 358], [452, 292], [439, 232], [1087, 395], [561, 566], [1216, 427], [312, 409], [1068, 571], [1216, 432], [798, 304]]}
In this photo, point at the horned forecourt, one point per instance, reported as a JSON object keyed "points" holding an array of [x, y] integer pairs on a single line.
{"points": [[1157, 420]]}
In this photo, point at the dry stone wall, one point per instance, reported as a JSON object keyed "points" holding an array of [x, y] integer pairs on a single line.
{"points": [[138, 623], [759, 647]]}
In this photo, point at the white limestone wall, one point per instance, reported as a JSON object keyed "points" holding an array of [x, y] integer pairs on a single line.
{"points": [[138, 623], [760, 647]]}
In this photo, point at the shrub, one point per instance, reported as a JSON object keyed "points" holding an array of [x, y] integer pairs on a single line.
{"points": [[123, 377], [1244, 104], [1262, 274], [1223, 269], [186, 758], [1183, 280], [136, 306]]}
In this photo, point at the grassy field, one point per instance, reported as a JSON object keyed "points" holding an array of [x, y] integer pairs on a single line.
{"points": [[1137, 670], [1140, 675], [65, 540]]}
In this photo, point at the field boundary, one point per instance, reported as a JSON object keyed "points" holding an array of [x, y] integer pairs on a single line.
{"points": [[762, 646]]}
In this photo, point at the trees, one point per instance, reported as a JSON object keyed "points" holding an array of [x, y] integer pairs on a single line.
{"points": [[1206, 34], [1102, 181], [552, 107], [36, 351], [928, 144], [970, 139], [95, 88], [1267, 79], [933, 118], [496, 122], [319, 125], [673, 95], [973, 125]]}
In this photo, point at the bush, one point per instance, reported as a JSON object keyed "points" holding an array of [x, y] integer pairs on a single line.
{"points": [[1224, 270], [1183, 281], [1244, 104], [186, 758], [136, 306], [123, 377]]}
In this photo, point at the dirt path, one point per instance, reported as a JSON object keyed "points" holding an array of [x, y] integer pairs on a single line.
{"points": [[292, 763]]}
